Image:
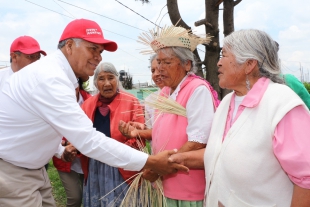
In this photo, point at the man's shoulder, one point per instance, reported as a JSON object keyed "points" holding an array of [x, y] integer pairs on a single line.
{"points": [[5, 70]]}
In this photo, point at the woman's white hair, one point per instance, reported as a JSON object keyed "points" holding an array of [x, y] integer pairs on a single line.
{"points": [[256, 45], [109, 68], [183, 54]]}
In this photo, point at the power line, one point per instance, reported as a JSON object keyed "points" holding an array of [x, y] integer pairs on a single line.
{"points": [[102, 15], [130, 54], [102, 29], [74, 18], [137, 13], [64, 9], [49, 9]]}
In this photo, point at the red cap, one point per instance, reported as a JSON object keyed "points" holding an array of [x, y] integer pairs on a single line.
{"points": [[87, 30], [26, 45]]}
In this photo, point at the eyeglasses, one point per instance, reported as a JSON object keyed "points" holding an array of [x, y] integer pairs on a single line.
{"points": [[32, 57]]}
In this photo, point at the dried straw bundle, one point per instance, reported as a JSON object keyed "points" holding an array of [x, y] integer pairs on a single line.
{"points": [[165, 104], [143, 193]]}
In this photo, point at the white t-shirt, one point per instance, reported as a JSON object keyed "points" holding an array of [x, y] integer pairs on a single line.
{"points": [[199, 112], [5, 74]]}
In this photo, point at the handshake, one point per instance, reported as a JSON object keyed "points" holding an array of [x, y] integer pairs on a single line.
{"points": [[163, 163]]}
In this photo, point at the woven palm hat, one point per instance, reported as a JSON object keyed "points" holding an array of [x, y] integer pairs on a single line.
{"points": [[171, 36]]}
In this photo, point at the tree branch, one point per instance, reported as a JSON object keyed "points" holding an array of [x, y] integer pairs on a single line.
{"points": [[174, 14], [218, 3], [237, 2]]}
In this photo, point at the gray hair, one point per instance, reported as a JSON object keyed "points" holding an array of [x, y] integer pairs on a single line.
{"points": [[256, 45], [62, 43], [183, 54], [109, 68], [152, 58]]}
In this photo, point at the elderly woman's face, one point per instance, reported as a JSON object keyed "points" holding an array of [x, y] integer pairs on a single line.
{"points": [[156, 74], [171, 69], [231, 74], [107, 84]]}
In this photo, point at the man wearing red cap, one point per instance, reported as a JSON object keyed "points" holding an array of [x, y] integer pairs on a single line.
{"points": [[24, 50], [38, 107]]}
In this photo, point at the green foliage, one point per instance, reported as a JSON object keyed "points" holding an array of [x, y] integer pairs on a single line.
{"points": [[307, 86], [58, 190]]}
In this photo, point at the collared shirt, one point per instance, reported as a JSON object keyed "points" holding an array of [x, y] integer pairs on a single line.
{"points": [[291, 137], [39, 107], [5, 73], [199, 109]]}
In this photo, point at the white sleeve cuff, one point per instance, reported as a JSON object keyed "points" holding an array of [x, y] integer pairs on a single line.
{"points": [[59, 151]]}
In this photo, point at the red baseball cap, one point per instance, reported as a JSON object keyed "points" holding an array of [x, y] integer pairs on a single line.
{"points": [[26, 45], [87, 30]]}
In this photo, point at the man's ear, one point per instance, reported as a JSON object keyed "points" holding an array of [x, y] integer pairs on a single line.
{"points": [[68, 46], [13, 56]]}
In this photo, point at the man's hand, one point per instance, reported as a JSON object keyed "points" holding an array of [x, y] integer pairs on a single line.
{"points": [[160, 164], [150, 175], [130, 129], [69, 153]]}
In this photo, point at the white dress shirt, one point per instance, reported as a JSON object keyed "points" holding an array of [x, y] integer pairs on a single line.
{"points": [[199, 113], [38, 107], [5, 73]]}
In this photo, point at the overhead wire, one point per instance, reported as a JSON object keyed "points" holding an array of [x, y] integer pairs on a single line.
{"points": [[74, 18], [49, 9], [101, 15], [64, 9], [137, 13], [102, 29], [130, 54]]}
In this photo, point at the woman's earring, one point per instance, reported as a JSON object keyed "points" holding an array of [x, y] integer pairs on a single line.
{"points": [[247, 83]]}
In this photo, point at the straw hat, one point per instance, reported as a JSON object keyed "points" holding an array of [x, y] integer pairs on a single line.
{"points": [[171, 36]]}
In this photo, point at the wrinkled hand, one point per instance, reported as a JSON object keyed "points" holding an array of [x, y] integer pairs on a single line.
{"points": [[130, 129], [161, 165], [177, 158], [69, 153], [149, 175]]}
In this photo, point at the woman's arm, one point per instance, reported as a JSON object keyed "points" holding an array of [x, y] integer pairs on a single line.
{"points": [[134, 129], [191, 146], [191, 159], [301, 197]]}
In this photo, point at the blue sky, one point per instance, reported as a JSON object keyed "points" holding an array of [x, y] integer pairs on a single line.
{"points": [[288, 22]]}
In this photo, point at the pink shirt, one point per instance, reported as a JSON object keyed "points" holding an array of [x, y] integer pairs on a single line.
{"points": [[291, 139]]}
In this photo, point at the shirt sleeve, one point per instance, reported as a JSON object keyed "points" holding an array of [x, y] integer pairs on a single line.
{"points": [[55, 102], [199, 109], [291, 145]]}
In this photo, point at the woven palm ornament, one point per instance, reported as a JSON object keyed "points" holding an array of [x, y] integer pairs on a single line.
{"points": [[171, 36]]}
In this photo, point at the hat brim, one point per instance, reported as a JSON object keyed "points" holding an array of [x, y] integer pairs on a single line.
{"points": [[108, 44], [31, 51]]}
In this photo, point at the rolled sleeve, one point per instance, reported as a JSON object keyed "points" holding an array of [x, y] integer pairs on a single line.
{"points": [[291, 145]]}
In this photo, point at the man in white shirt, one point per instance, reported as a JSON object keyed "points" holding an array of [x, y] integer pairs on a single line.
{"points": [[24, 50], [38, 107]]}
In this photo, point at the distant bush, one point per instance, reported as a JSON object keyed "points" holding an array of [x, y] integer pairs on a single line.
{"points": [[307, 85]]}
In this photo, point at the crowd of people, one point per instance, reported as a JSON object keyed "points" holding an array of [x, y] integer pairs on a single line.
{"points": [[250, 149]]}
